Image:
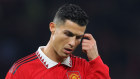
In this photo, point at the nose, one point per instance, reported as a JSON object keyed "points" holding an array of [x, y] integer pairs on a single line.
{"points": [[72, 41]]}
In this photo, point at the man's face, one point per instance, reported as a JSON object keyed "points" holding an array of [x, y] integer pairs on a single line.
{"points": [[67, 37]]}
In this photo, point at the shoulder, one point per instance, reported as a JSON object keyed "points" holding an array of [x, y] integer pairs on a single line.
{"points": [[22, 62], [78, 59]]}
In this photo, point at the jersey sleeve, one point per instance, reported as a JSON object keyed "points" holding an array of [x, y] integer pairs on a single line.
{"points": [[96, 69], [16, 73]]}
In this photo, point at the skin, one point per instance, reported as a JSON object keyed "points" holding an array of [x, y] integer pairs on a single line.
{"points": [[68, 35]]}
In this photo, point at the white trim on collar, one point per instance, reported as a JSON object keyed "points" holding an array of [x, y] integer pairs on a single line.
{"points": [[50, 63]]}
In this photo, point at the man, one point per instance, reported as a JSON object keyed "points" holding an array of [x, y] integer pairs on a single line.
{"points": [[55, 60]]}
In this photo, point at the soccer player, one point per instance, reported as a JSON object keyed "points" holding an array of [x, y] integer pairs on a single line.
{"points": [[55, 60]]}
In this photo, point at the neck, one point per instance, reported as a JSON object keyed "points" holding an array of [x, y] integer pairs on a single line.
{"points": [[51, 53]]}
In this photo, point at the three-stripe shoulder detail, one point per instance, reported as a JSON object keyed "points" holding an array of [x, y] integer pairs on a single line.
{"points": [[22, 61]]}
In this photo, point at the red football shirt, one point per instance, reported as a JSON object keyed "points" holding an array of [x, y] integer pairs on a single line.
{"points": [[39, 66]]}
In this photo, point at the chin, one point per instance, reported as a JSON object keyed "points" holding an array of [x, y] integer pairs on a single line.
{"points": [[65, 56]]}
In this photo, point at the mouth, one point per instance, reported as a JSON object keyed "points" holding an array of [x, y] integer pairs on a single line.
{"points": [[68, 50]]}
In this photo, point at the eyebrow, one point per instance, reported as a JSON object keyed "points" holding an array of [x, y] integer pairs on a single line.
{"points": [[73, 33]]}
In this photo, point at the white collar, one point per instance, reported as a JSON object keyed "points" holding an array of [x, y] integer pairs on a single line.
{"points": [[50, 63]]}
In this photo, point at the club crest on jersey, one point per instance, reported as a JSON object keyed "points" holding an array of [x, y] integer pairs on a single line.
{"points": [[73, 75]]}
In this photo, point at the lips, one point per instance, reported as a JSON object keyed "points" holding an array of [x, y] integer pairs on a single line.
{"points": [[68, 50]]}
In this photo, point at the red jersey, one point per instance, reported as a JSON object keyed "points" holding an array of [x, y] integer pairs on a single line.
{"points": [[39, 66]]}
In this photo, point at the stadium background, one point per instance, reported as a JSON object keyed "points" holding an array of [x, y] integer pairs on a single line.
{"points": [[115, 24]]}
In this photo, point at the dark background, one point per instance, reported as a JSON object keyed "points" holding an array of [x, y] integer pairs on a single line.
{"points": [[115, 24]]}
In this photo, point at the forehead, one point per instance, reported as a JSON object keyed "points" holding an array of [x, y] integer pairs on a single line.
{"points": [[73, 27]]}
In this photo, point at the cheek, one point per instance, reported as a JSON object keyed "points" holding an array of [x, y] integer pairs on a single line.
{"points": [[59, 41], [64, 40], [78, 42]]}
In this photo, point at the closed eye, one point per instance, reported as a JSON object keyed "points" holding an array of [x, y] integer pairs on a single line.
{"points": [[68, 33]]}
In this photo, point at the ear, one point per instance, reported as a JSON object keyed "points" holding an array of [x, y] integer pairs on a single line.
{"points": [[52, 26]]}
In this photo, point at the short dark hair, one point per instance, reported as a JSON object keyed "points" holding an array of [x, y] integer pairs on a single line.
{"points": [[71, 12]]}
